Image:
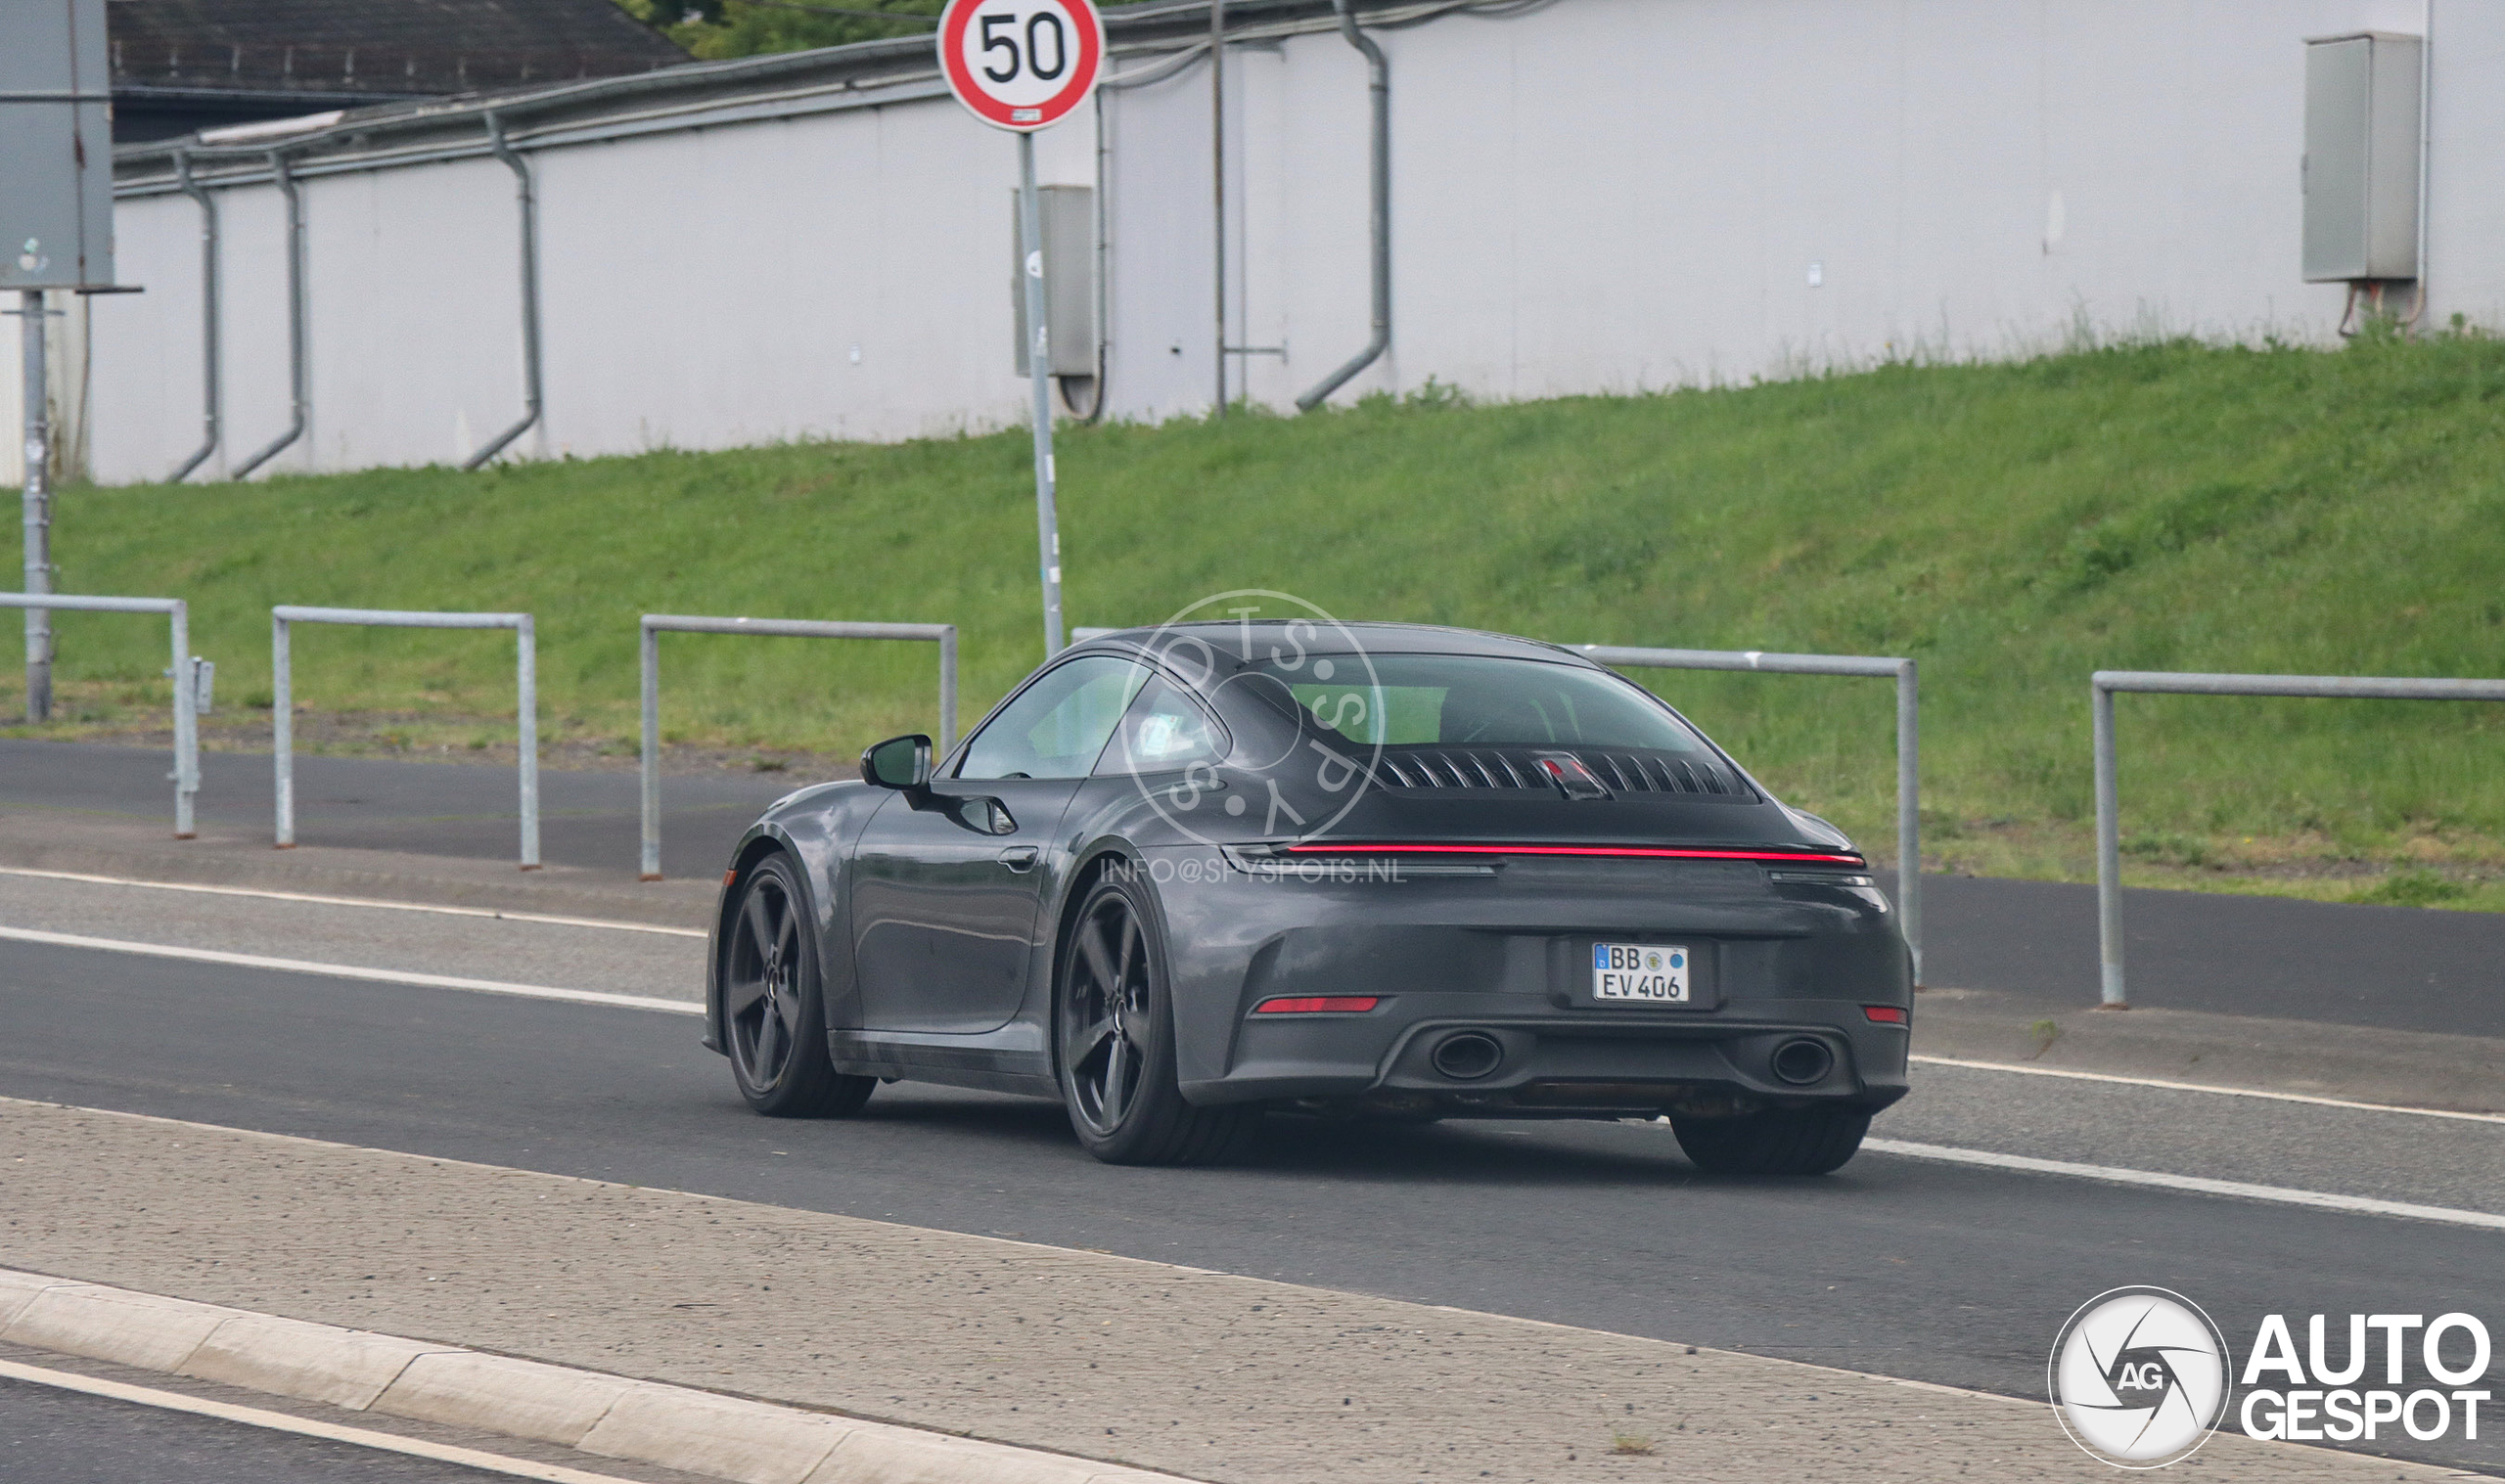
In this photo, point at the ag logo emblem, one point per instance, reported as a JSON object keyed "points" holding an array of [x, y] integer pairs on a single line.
{"points": [[2139, 1378]]}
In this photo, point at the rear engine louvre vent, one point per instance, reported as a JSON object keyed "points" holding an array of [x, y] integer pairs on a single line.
{"points": [[1517, 768]]}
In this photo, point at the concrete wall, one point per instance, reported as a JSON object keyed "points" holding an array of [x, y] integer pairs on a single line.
{"points": [[1600, 195]]}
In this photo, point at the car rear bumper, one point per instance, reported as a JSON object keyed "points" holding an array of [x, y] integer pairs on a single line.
{"points": [[1563, 1064], [1775, 963]]}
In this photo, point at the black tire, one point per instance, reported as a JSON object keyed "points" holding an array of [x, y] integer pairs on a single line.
{"points": [[774, 1005], [1114, 1040], [1811, 1141]]}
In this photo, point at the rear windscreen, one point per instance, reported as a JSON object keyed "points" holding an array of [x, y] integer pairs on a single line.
{"points": [[1469, 700]]}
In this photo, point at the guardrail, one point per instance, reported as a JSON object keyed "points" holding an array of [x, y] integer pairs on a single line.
{"points": [[2109, 824], [283, 710], [1908, 738], [655, 624], [186, 775]]}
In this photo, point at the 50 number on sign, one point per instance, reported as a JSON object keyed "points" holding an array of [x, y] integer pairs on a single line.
{"points": [[1020, 63]]}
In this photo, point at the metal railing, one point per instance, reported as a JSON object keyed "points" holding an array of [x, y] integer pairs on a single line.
{"points": [[2109, 824], [1908, 738], [655, 624], [283, 711], [186, 776]]}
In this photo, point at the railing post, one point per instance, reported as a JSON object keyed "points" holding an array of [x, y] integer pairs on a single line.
{"points": [[526, 667], [651, 870], [1909, 809], [2108, 853], [186, 722], [282, 734]]}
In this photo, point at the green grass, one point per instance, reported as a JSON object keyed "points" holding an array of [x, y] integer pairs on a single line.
{"points": [[2012, 526]]}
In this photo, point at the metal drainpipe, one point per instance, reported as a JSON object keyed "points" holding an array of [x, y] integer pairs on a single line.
{"points": [[1379, 83], [208, 315], [530, 200], [295, 379]]}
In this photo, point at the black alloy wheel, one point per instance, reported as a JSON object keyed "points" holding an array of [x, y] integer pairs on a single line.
{"points": [[1113, 1024], [773, 1008]]}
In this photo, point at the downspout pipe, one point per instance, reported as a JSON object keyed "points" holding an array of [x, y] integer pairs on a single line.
{"points": [[299, 394], [209, 316], [1379, 83], [528, 197]]}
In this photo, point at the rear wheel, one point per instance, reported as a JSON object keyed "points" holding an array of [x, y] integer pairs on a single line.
{"points": [[1811, 1141], [773, 1005], [1113, 1037]]}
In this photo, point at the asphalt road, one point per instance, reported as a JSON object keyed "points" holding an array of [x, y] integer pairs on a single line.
{"points": [[1896, 1266], [2399, 967], [49, 1436]]}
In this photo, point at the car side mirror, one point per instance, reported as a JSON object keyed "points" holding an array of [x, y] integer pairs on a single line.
{"points": [[900, 762]]}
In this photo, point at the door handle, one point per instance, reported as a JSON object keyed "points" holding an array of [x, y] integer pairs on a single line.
{"points": [[1018, 857]]}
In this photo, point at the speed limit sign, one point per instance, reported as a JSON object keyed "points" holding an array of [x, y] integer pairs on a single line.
{"points": [[1020, 63]]}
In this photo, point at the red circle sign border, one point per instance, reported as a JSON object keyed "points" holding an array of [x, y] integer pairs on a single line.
{"points": [[1001, 116]]}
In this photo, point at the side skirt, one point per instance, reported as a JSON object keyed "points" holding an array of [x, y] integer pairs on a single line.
{"points": [[987, 1068]]}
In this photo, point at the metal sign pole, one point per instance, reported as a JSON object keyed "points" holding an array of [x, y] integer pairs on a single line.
{"points": [[1030, 227], [37, 509]]}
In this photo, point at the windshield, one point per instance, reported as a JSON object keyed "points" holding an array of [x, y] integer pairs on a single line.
{"points": [[1470, 700]]}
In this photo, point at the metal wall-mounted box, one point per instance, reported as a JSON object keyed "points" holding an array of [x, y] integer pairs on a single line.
{"points": [[2362, 134], [55, 146], [1069, 279]]}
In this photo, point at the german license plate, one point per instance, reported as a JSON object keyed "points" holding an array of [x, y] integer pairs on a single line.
{"points": [[1644, 973]]}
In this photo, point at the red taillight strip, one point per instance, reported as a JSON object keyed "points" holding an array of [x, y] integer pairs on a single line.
{"points": [[1655, 852]]}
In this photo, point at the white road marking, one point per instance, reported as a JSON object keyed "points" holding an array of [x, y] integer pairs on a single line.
{"points": [[352, 971], [2364, 1206], [548, 918], [309, 1427], [2203, 1087]]}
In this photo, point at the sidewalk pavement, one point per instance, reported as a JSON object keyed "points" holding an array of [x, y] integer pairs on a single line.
{"points": [[1210, 1375]]}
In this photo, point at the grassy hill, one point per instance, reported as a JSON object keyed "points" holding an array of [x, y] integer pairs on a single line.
{"points": [[2012, 526]]}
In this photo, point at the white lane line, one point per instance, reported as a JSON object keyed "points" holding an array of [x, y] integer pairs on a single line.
{"points": [[2203, 1087], [2364, 1206], [548, 918], [352, 971], [309, 1427]]}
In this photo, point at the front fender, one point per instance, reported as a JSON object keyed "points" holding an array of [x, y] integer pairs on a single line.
{"points": [[817, 828]]}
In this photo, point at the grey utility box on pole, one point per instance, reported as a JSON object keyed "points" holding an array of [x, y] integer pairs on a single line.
{"points": [[1069, 274], [55, 146], [2362, 128]]}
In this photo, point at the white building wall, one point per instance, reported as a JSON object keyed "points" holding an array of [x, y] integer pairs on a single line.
{"points": [[1601, 196]]}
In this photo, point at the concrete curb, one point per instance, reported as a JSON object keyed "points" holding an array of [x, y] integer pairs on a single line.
{"points": [[615, 1416]]}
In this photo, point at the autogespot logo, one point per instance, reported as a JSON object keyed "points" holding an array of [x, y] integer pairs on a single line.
{"points": [[1314, 666], [2139, 1378]]}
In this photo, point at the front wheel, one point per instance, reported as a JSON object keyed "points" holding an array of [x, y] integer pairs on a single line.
{"points": [[774, 1006], [1114, 1040], [1811, 1141]]}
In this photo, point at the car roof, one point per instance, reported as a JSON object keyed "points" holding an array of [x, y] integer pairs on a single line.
{"points": [[1227, 637]]}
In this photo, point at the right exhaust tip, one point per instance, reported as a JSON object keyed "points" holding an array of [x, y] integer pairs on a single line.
{"points": [[1803, 1061]]}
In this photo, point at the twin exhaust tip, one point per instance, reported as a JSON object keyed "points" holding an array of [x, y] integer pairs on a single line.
{"points": [[1468, 1056], [1803, 1061]]}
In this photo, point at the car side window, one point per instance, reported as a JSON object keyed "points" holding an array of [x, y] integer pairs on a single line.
{"points": [[1163, 730], [1057, 726]]}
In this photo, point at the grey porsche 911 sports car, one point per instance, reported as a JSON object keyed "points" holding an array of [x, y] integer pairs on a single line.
{"points": [[1181, 878]]}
